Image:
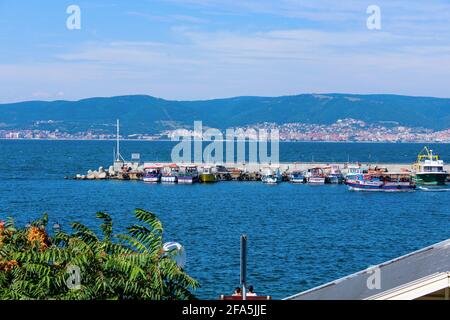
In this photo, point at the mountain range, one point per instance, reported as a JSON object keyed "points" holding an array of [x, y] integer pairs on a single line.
{"points": [[147, 114]]}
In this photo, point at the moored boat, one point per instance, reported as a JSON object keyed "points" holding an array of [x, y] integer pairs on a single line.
{"points": [[429, 169], [297, 177], [207, 175], [353, 172], [236, 174], [170, 174], [316, 176], [334, 174], [270, 176], [153, 174], [387, 182], [188, 174]]}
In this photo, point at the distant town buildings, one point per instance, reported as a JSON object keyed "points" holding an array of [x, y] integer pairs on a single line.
{"points": [[342, 130]]}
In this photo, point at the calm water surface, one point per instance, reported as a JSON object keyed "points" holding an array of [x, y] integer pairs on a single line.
{"points": [[300, 236]]}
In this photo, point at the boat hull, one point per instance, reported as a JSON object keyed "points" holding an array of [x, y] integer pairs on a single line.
{"points": [[335, 179], [298, 180], [430, 179], [270, 179], [382, 187], [207, 177], [186, 180], [152, 178], [168, 179], [316, 180]]}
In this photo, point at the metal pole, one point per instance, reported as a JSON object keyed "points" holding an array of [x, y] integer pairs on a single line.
{"points": [[117, 142], [244, 265]]}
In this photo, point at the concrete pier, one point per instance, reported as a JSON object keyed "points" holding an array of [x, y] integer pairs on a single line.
{"points": [[129, 170], [294, 166]]}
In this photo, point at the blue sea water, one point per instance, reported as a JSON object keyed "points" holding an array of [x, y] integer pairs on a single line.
{"points": [[300, 236]]}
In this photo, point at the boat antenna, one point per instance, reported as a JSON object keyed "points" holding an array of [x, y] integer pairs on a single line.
{"points": [[118, 155]]}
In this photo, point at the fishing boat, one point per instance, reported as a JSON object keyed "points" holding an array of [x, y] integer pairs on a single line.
{"points": [[152, 174], [297, 177], [316, 176], [207, 175], [222, 173], [385, 182], [270, 176], [353, 172], [334, 174], [188, 174], [170, 174], [429, 169]]}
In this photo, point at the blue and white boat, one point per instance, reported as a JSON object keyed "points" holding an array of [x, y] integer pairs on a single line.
{"points": [[153, 174], [188, 174], [297, 177], [386, 182], [170, 174], [353, 172], [334, 174]]}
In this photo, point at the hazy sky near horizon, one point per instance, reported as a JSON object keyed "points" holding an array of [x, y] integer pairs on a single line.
{"points": [[201, 49]]}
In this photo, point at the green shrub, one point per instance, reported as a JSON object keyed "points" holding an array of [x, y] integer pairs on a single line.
{"points": [[34, 265]]}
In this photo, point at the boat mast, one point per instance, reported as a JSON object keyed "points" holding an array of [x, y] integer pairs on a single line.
{"points": [[118, 155]]}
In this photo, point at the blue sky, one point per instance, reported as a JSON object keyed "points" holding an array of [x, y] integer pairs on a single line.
{"points": [[201, 49]]}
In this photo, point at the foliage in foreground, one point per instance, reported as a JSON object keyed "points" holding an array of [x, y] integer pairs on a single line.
{"points": [[34, 265]]}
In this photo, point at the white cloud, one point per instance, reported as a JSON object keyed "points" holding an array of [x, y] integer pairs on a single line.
{"points": [[410, 55]]}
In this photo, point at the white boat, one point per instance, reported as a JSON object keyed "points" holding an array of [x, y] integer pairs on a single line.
{"points": [[315, 176], [297, 177], [170, 174], [270, 176], [429, 169], [334, 174], [153, 174]]}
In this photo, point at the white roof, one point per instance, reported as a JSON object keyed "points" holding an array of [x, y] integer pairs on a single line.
{"points": [[430, 263]]}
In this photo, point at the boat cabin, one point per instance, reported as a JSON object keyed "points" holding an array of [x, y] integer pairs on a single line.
{"points": [[207, 170], [428, 162], [155, 169], [171, 169], [318, 171], [189, 169]]}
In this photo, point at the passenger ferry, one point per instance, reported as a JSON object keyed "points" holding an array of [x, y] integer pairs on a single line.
{"points": [[387, 182], [429, 169], [153, 174]]}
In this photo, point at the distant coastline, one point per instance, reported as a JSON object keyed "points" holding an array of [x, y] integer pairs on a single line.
{"points": [[281, 141]]}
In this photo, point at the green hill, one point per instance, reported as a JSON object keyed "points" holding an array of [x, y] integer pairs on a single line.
{"points": [[146, 114]]}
